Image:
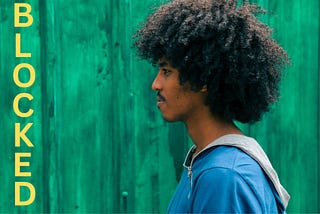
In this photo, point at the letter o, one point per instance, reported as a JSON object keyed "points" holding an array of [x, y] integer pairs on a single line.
{"points": [[16, 75]]}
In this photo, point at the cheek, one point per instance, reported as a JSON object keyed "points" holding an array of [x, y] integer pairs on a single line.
{"points": [[182, 100], [177, 95]]}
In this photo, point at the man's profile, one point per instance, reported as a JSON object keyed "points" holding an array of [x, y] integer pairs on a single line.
{"points": [[217, 64]]}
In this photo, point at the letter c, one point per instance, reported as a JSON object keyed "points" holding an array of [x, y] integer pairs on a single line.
{"points": [[16, 105]]}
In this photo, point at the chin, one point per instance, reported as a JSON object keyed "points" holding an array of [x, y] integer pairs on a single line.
{"points": [[170, 119]]}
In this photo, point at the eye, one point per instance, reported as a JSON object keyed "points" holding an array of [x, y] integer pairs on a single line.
{"points": [[166, 72]]}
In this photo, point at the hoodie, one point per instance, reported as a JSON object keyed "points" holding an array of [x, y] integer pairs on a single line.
{"points": [[231, 174]]}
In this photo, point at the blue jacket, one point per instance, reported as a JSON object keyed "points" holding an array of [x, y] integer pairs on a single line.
{"points": [[224, 179]]}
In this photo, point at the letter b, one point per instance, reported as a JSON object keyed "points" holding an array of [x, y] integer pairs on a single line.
{"points": [[18, 14]]}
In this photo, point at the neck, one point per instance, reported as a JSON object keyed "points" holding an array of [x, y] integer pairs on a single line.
{"points": [[207, 128]]}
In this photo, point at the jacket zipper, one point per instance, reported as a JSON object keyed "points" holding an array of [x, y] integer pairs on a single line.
{"points": [[190, 171]]}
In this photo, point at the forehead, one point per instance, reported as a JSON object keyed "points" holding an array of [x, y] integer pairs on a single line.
{"points": [[163, 61]]}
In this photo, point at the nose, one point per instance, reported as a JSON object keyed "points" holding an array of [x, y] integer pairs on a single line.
{"points": [[156, 85]]}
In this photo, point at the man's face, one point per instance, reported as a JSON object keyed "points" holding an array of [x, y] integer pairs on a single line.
{"points": [[176, 102]]}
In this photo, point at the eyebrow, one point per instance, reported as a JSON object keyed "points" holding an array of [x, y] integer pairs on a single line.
{"points": [[163, 63]]}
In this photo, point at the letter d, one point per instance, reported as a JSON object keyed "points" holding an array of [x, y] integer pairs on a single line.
{"points": [[17, 198]]}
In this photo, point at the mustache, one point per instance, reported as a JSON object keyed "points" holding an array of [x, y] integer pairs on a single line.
{"points": [[160, 97]]}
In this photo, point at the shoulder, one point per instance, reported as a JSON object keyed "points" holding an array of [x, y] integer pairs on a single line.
{"points": [[230, 176], [224, 190], [228, 157], [226, 163]]}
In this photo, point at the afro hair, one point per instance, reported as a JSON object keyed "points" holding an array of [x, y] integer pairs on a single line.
{"points": [[219, 45]]}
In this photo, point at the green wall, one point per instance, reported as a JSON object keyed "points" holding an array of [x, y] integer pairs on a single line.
{"points": [[100, 144]]}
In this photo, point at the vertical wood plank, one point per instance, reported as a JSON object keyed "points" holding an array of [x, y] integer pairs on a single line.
{"points": [[30, 42], [89, 143], [8, 91], [50, 79], [290, 132], [155, 158]]}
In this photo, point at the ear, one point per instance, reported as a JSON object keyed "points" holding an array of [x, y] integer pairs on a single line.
{"points": [[204, 89]]}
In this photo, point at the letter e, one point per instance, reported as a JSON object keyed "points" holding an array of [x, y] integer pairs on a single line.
{"points": [[18, 164]]}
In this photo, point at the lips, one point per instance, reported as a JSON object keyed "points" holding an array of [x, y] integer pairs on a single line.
{"points": [[161, 100]]}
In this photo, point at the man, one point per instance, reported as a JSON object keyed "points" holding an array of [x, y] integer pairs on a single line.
{"points": [[217, 63]]}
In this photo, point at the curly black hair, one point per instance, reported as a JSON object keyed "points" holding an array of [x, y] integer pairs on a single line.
{"points": [[222, 46]]}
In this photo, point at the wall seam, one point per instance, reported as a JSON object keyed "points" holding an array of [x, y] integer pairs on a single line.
{"points": [[318, 109]]}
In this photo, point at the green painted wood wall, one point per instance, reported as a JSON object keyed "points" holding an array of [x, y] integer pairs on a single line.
{"points": [[100, 145]]}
